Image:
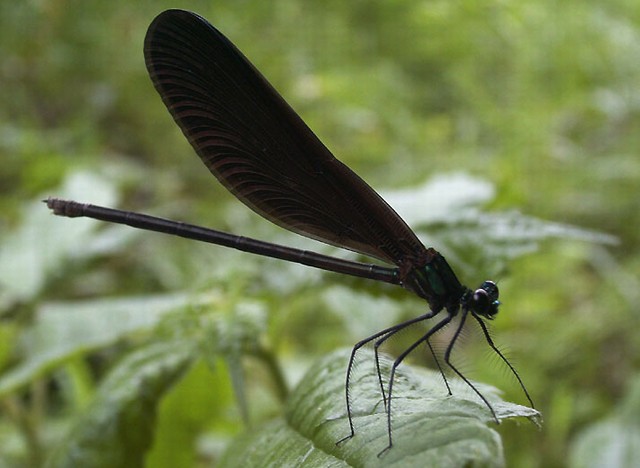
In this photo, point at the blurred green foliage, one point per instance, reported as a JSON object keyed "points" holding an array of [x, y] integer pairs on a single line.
{"points": [[540, 98]]}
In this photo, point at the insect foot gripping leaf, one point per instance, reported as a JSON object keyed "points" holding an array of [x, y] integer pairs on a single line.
{"points": [[431, 427]]}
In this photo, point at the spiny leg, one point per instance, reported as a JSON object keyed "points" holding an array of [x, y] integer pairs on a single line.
{"points": [[397, 362], [387, 331], [487, 336], [347, 385], [397, 328], [435, 358], [376, 353], [447, 359]]}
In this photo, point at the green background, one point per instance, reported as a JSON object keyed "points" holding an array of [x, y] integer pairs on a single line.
{"points": [[539, 98]]}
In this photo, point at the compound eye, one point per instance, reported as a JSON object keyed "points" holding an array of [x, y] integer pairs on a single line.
{"points": [[481, 301], [492, 290], [485, 300]]}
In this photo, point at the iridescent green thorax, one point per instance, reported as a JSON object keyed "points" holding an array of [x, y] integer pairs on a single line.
{"points": [[436, 282]]}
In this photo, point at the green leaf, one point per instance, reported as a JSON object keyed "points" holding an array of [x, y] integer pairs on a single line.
{"points": [[40, 245], [118, 427], [429, 427], [614, 441], [446, 195], [607, 443], [62, 330], [455, 200], [194, 419]]}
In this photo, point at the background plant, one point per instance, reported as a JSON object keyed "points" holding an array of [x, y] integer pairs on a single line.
{"points": [[537, 100]]}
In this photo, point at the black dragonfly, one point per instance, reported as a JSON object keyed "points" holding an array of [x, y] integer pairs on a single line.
{"points": [[256, 145]]}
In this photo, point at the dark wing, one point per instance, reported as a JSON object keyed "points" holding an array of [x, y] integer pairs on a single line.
{"points": [[259, 148]]}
